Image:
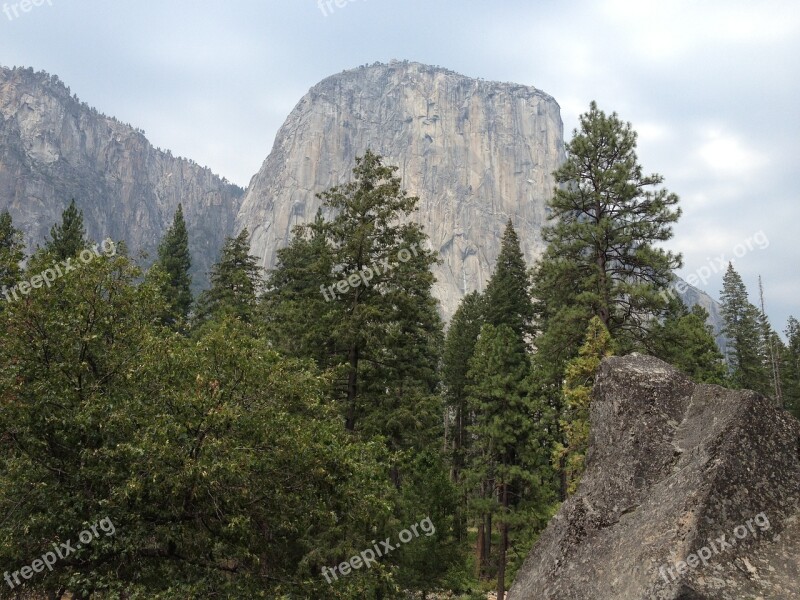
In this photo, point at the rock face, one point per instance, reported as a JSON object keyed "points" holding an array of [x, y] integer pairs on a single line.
{"points": [[476, 153], [672, 467], [53, 149]]}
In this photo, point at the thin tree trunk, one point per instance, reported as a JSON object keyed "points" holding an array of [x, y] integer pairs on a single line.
{"points": [[352, 389], [487, 551], [501, 559], [479, 548]]}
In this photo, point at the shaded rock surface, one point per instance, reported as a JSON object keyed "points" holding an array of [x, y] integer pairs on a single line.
{"points": [[54, 148], [672, 467]]}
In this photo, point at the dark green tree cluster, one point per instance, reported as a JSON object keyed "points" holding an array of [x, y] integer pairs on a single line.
{"points": [[352, 292], [758, 359], [743, 328], [221, 463], [12, 251], [500, 428], [174, 262], [790, 368], [285, 422]]}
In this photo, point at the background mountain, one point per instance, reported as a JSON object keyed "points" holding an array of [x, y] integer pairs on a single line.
{"points": [[54, 148], [477, 153]]}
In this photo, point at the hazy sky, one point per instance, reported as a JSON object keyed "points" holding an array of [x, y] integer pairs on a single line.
{"points": [[711, 87]]}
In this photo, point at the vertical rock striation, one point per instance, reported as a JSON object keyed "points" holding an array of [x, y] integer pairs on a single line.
{"points": [[477, 153], [54, 148]]}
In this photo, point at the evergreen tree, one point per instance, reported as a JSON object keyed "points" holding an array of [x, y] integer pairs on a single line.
{"points": [[602, 257], [377, 316], [69, 238], [175, 261], [297, 317], [353, 292], [11, 254], [459, 346], [686, 341], [790, 368], [580, 373], [747, 356], [503, 471], [508, 299], [235, 282]]}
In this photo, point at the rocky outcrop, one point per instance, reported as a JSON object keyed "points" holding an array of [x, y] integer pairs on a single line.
{"points": [[672, 468], [54, 148], [475, 152]]}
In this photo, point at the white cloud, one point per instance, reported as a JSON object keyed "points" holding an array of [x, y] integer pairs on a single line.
{"points": [[726, 154]]}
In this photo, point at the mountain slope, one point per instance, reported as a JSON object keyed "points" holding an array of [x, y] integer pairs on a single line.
{"points": [[54, 148]]}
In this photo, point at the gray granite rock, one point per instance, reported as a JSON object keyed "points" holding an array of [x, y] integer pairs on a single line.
{"points": [[54, 148], [475, 152], [672, 467]]}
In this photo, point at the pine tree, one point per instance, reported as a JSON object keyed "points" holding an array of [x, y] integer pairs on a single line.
{"points": [[378, 310], [602, 257], [686, 341], [175, 261], [353, 292], [502, 475], [790, 368], [11, 253], [508, 299], [580, 373], [459, 346], [235, 282], [743, 327], [297, 318], [69, 238]]}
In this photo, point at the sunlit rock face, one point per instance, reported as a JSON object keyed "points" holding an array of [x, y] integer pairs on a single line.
{"points": [[477, 153]]}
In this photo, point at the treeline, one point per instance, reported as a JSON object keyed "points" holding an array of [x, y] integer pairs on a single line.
{"points": [[282, 423]]}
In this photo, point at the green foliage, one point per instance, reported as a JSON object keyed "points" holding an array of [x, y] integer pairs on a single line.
{"points": [[296, 316], [69, 238], [459, 346], [220, 463], [580, 373], [747, 352], [602, 257], [386, 332], [507, 296], [790, 368], [175, 261], [686, 341], [505, 476], [11, 252], [380, 339], [235, 283]]}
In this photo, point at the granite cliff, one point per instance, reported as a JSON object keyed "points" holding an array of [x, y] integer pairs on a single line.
{"points": [[54, 148], [475, 152]]}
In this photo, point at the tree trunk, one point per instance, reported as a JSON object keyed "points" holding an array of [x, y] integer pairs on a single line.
{"points": [[479, 547], [501, 559], [487, 550], [352, 389]]}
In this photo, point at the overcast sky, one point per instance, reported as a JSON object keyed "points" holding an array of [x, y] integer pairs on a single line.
{"points": [[712, 88]]}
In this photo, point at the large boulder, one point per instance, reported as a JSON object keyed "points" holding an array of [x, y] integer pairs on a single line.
{"points": [[691, 492]]}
